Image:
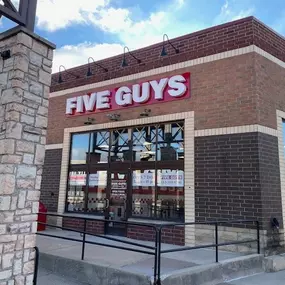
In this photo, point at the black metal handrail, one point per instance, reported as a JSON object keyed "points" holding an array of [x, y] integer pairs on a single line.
{"points": [[36, 265], [155, 250]]}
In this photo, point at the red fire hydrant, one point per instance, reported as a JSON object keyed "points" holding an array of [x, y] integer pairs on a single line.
{"points": [[42, 217]]}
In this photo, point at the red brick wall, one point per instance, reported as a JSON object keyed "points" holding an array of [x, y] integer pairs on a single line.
{"points": [[93, 227], [222, 95], [270, 90], [210, 41], [173, 235]]}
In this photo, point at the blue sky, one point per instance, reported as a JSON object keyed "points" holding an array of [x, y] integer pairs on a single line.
{"points": [[101, 28]]}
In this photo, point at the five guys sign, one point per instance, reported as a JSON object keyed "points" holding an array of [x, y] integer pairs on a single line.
{"points": [[149, 92]]}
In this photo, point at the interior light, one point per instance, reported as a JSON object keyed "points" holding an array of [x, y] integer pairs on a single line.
{"points": [[103, 146]]}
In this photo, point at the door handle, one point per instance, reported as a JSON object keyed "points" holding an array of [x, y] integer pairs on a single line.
{"points": [[107, 203]]}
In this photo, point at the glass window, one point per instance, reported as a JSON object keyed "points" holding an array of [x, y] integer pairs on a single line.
{"points": [[170, 142], [143, 193], [96, 202], [144, 143], [79, 148], [157, 188], [170, 194], [76, 191], [99, 147], [120, 146]]}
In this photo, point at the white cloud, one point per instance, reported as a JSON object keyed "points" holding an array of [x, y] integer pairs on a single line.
{"points": [[122, 23], [229, 12], [56, 14], [132, 33], [71, 56]]}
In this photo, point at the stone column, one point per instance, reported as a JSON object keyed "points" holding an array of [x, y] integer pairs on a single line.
{"points": [[24, 89]]}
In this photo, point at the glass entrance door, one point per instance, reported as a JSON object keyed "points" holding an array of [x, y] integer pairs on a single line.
{"points": [[117, 202]]}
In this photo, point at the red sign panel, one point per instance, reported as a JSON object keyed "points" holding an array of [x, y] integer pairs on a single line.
{"points": [[166, 89]]}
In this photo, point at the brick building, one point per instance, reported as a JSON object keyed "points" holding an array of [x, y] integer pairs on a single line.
{"points": [[192, 134]]}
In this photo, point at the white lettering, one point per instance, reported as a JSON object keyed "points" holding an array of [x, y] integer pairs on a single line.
{"points": [[158, 88], [123, 96], [177, 84], [144, 96], [70, 105], [79, 105], [103, 100], [89, 102]]}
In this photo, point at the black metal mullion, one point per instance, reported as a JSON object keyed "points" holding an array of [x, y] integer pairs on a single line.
{"points": [[155, 172], [87, 175], [68, 172]]}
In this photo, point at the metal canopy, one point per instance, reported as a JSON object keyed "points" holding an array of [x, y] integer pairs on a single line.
{"points": [[25, 16]]}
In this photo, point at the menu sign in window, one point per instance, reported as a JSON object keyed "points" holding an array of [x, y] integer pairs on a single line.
{"points": [[118, 187]]}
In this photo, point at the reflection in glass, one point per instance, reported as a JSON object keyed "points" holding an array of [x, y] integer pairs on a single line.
{"points": [[97, 192], [120, 145], [79, 148], [170, 190], [99, 148], [144, 143], [76, 190], [170, 142], [143, 193]]}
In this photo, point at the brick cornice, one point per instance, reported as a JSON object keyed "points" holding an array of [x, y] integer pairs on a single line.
{"points": [[217, 39]]}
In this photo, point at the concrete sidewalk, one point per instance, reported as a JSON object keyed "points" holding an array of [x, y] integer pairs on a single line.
{"points": [[127, 260], [103, 265]]}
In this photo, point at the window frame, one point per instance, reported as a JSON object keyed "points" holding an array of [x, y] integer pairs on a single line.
{"points": [[129, 166]]}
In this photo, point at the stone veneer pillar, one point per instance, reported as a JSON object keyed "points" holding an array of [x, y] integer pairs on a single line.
{"points": [[24, 89]]}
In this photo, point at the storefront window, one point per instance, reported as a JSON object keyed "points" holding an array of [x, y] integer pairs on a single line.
{"points": [[97, 187], [170, 190], [120, 146], [79, 148], [170, 145], [99, 147], [144, 143], [151, 174], [76, 191], [143, 193]]}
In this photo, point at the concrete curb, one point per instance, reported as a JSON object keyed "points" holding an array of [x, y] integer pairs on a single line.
{"points": [[84, 272], [218, 272], [274, 263], [211, 274]]}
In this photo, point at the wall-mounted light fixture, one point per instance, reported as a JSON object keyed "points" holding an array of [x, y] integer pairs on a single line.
{"points": [[124, 62], [163, 51], [60, 80], [89, 71], [114, 117], [145, 113], [5, 54], [89, 121]]}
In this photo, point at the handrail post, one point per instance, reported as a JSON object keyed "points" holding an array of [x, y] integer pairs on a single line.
{"points": [[258, 236], [83, 241], [155, 257], [36, 265], [217, 242], [158, 282]]}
